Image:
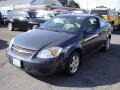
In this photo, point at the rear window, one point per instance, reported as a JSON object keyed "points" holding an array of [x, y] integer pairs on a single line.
{"points": [[36, 14], [99, 12], [21, 14]]}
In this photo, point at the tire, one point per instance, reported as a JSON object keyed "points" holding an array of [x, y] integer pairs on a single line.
{"points": [[73, 64], [35, 27], [106, 47], [10, 27], [114, 27], [118, 27]]}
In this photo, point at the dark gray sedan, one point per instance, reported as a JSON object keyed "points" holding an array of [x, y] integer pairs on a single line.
{"points": [[60, 44]]}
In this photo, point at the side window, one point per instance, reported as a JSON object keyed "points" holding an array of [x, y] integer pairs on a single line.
{"points": [[116, 14], [112, 13], [92, 25], [102, 23], [49, 15]]}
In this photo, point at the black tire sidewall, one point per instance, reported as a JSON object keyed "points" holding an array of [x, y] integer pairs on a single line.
{"points": [[105, 49], [67, 69]]}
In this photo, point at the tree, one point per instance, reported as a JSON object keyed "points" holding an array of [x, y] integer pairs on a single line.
{"points": [[73, 4], [64, 2]]}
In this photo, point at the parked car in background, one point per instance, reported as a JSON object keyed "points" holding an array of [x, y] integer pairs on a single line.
{"points": [[60, 43], [6, 15], [109, 15], [78, 12], [0, 18], [39, 18], [118, 14], [25, 20]]}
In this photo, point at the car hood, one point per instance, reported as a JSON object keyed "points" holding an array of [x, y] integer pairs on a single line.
{"points": [[38, 39]]}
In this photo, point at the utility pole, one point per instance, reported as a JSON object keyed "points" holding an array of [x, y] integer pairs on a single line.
{"points": [[118, 5], [87, 5]]}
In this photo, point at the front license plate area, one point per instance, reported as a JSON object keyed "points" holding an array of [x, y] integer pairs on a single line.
{"points": [[17, 62]]}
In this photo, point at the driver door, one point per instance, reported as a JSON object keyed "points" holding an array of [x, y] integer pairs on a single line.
{"points": [[90, 35]]}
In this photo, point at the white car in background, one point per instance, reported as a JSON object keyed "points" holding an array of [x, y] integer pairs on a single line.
{"points": [[78, 12], [45, 14]]}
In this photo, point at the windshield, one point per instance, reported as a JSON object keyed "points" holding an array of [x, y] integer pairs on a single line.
{"points": [[99, 12], [21, 14], [37, 14], [70, 24]]}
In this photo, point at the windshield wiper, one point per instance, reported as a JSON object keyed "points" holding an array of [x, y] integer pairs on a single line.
{"points": [[56, 30], [41, 28]]}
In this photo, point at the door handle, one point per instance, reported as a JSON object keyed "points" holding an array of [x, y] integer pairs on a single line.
{"points": [[100, 33]]}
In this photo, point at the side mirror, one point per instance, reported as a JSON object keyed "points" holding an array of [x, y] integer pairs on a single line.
{"points": [[41, 24], [51, 16], [90, 31], [92, 28], [27, 17]]}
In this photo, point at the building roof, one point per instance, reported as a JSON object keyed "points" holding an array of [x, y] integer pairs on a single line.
{"points": [[78, 15], [4, 3]]}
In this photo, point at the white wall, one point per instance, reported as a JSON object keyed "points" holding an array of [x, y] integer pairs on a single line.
{"points": [[93, 3], [6, 8], [47, 2]]}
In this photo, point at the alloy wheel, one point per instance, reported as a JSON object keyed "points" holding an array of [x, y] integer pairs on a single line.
{"points": [[75, 63]]}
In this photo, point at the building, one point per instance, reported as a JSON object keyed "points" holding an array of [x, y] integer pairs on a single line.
{"points": [[5, 3], [10, 4], [90, 4], [46, 2]]}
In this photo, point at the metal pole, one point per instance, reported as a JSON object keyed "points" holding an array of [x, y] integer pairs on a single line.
{"points": [[87, 5]]}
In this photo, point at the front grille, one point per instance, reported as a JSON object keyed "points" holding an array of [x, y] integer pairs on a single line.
{"points": [[22, 52]]}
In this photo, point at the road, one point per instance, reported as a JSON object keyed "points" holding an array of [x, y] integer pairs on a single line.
{"points": [[98, 72]]}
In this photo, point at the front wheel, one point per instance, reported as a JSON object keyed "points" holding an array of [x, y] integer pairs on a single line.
{"points": [[73, 64], [10, 27]]}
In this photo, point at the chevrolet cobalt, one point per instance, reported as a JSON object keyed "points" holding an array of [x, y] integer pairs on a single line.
{"points": [[59, 44]]}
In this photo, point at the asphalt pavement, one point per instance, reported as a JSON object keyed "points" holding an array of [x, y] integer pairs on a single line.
{"points": [[101, 71]]}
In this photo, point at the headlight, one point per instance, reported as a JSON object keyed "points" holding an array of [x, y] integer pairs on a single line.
{"points": [[50, 52], [21, 18], [11, 20], [11, 42]]}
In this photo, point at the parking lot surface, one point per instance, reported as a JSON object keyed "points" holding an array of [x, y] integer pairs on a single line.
{"points": [[98, 72]]}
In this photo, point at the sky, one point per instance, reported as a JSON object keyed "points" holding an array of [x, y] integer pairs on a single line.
{"points": [[93, 3]]}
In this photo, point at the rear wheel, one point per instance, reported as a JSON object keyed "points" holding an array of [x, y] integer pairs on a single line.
{"points": [[10, 27], [106, 47], [118, 27], [114, 27], [73, 64], [35, 27]]}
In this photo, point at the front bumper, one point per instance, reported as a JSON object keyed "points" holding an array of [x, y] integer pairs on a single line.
{"points": [[37, 66]]}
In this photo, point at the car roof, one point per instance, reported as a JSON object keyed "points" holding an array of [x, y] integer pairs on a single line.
{"points": [[78, 15]]}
